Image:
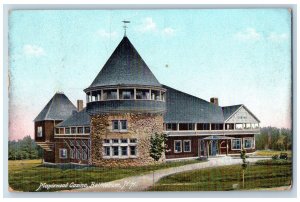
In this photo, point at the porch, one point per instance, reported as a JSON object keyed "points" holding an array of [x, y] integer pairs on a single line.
{"points": [[213, 146]]}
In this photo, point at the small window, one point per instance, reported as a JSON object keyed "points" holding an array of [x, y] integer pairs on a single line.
{"points": [[171, 126], [115, 151], [73, 130], [124, 140], [123, 125], [247, 126], [86, 129], [202, 126], [115, 125], [106, 141], [126, 94], [236, 144], [115, 141], [142, 94], [187, 145], [132, 150], [177, 146], [106, 151], [56, 130], [133, 140], [39, 131], [124, 150], [62, 153], [67, 130], [80, 130]]}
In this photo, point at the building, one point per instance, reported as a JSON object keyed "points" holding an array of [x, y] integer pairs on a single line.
{"points": [[125, 106]]}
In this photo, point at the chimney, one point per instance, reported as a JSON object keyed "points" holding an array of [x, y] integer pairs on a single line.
{"points": [[214, 100], [79, 105]]}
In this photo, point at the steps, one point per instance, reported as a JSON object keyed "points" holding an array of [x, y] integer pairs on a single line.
{"points": [[47, 146]]}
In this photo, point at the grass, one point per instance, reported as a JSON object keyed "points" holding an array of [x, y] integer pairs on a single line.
{"points": [[26, 175], [272, 152], [261, 175]]}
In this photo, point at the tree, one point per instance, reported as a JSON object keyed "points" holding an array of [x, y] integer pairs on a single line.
{"points": [[244, 165], [157, 145]]}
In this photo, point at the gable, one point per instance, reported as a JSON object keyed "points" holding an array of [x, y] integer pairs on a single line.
{"points": [[243, 115]]}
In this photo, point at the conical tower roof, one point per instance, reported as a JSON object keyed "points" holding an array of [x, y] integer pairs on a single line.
{"points": [[125, 67], [58, 108]]}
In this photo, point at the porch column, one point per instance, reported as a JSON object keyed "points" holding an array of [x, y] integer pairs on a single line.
{"points": [[226, 147], [207, 148]]}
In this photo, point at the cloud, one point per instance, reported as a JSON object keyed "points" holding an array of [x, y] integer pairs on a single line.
{"points": [[33, 50], [168, 31], [148, 25], [277, 37], [105, 34], [248, 34]]}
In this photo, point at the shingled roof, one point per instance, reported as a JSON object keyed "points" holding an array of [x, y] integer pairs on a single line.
{"points": [[81, 118], [125, 67], [185, 108], [58, 108], [229, 110]]}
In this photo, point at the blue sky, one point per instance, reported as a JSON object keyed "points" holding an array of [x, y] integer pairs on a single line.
{"points": [[241, 56]]}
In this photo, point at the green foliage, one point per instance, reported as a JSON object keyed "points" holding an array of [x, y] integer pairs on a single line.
{"points": [[24, 149], [243, 157], [223, 178], [157, 145], [26, 175], [274, 138]]}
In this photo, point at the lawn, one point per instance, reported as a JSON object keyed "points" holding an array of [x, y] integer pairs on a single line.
{"points": [[272, 152], [26, 175], [264, 174]]}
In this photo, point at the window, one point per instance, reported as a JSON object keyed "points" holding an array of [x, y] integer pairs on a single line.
{"points": [[132, 150], [86, 129], [123, 125], [187, 145], [56, 130], [115, 140], [202, 126], [80, 130], [177, 146], [39, 131], [239, 126], [236, 144], [67, 130], [61, 131], [171, 126], [126, 94], [186, 126], [73, 130], [63, 153], [115, 151], [142, 94], [133, 140], [84, 154], [115, 125], [155, 95], [106, 151], [255, 125], [124, 141], [124, 151], [163, 96], [120, 148], [119, 125], [110, 95], [248, 143], [217, 126], [229, 126]]}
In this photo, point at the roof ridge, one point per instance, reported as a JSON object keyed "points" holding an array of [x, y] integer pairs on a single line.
{"points": [[46, 116]]}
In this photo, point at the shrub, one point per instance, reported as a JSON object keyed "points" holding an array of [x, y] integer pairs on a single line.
{"points": [[274, 162]]}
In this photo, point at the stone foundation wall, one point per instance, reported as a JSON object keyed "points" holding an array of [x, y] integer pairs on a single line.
{"points": [[139, 126]]}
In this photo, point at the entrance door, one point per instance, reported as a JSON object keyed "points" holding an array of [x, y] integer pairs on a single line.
{"points": [[203, 148], [214, 147]]}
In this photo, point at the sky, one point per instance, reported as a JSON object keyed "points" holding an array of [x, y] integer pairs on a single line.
{"points": [[241, 56]]}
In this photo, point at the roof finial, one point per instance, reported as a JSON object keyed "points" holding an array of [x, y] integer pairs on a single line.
{"points": [[124, 26]]}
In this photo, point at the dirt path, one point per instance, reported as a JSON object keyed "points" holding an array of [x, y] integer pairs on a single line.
{"points": [[143, 182]]}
